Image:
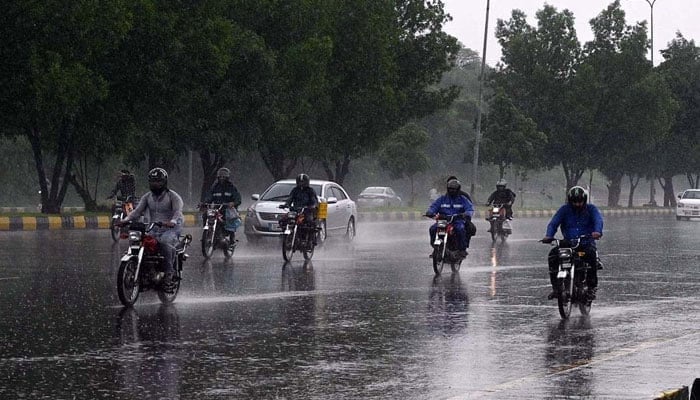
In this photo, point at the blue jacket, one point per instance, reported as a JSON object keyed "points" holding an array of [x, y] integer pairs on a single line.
{"points": [[448, 205], [574, 224]]}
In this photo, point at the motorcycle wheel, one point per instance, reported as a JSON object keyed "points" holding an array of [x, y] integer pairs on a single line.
{"points": [[228, 251], [438, 263], [494, 231], [564, 300], [287, 247], [456, 265], [167, 298], [128, 287], [207, 243], [309, 253], [114, 230], [322, 234]]}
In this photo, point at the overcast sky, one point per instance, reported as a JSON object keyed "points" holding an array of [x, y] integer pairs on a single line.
{"points": [[670, 16]]}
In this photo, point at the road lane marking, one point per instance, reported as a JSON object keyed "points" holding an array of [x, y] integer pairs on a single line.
{"points": [[9, 278], [565, 369]]}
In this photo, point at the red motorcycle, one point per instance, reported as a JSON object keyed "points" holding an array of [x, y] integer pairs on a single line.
{"points": [[446, 246], [299, 234], [214, 235]]}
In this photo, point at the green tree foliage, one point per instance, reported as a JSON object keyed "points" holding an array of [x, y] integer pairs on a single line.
{"points": [[403, 155], [510, 137], [387, 56], [539, 73], [633, 106], [681, 70], [51, 51]]}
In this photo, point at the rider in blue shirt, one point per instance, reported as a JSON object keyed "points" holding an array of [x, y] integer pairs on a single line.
{"points": [[454, 202], [576, 218]]}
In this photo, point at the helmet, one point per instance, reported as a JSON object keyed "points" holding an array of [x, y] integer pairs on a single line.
{"points": [[577, 194], [453, 187], [158, 175], [501, 183], [303, 180], [223, 173]]}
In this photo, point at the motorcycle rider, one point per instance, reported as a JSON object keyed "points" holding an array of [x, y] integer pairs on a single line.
{"points": [[164, 205], [223, 191], [126, 186], [453, 203], [504, 196], [462, 192], [303, 195], [576, 218]]}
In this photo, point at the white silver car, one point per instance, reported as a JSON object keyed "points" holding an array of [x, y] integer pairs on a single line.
{"points": [[688, 205], [262, 217]]}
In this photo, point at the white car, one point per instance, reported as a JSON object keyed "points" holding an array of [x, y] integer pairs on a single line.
{"points": [[263, 216], [378, 196], [688, 204]]}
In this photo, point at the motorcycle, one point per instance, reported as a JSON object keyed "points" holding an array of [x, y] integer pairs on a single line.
{"points": [[500, 226], [120, 209], [298, 235], [214, 234], [445, 245], [571, 277], [141, 268]]}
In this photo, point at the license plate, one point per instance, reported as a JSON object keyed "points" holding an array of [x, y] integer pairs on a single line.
{"points": [[561, 274], [274, 227]]}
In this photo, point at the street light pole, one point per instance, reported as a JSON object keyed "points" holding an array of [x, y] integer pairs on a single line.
{"points": [[652, 186], [475, 164]]}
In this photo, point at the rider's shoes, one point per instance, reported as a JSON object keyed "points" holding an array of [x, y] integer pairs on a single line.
{"points": [[509, 218], [169, 283], [592, 293], [553, 295], [489, 230], [462, 253]]}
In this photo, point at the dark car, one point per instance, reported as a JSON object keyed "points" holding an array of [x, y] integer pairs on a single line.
{"points": [[378, 196]]}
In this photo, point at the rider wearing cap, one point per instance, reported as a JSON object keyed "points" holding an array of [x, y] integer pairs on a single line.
{"points": [[165, 206], [576, 218]]}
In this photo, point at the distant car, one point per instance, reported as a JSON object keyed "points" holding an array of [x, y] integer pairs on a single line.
{"points": [[262, 217], [688, 204], [378, 196]]}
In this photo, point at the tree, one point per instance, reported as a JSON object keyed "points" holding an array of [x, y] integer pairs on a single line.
{"points": [[681, 70], [511, 138], [387, 57], [633, 106], [404, 156], [51, 52], [539, 72]]}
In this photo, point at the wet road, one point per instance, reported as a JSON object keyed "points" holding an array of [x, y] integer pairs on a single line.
{"points": [[362, 320]]}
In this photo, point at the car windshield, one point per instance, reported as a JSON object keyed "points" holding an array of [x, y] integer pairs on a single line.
{"points": [[373, 191], [692, 195], [280, 191]]}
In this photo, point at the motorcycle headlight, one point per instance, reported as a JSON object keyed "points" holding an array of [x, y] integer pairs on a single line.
{"points": [[565, 254], [442, 223], [134, 236]]}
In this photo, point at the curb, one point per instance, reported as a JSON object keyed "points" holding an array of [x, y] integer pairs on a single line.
{"points": [[56, 222], [381, 216]]}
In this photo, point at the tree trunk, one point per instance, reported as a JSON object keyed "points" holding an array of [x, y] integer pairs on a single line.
{"points": [[666, 183], [340, 171], [53, 192], [572, 175], [633, 185], [614, 190], [211, 162], [84, 193]]}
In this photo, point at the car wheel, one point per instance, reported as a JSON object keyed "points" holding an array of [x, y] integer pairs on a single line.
{"points": [[350, 232]]}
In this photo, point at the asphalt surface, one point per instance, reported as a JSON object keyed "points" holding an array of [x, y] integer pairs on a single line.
{"points": [[365, 319]]}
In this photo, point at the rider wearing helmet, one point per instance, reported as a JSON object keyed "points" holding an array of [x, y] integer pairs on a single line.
{"points": [[576, 218], [451, 203], [503, 196], [164, 205], [303, 195], [223, 191]]}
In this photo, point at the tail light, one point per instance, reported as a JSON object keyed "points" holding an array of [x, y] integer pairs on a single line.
{"points": [[150, 244]]}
